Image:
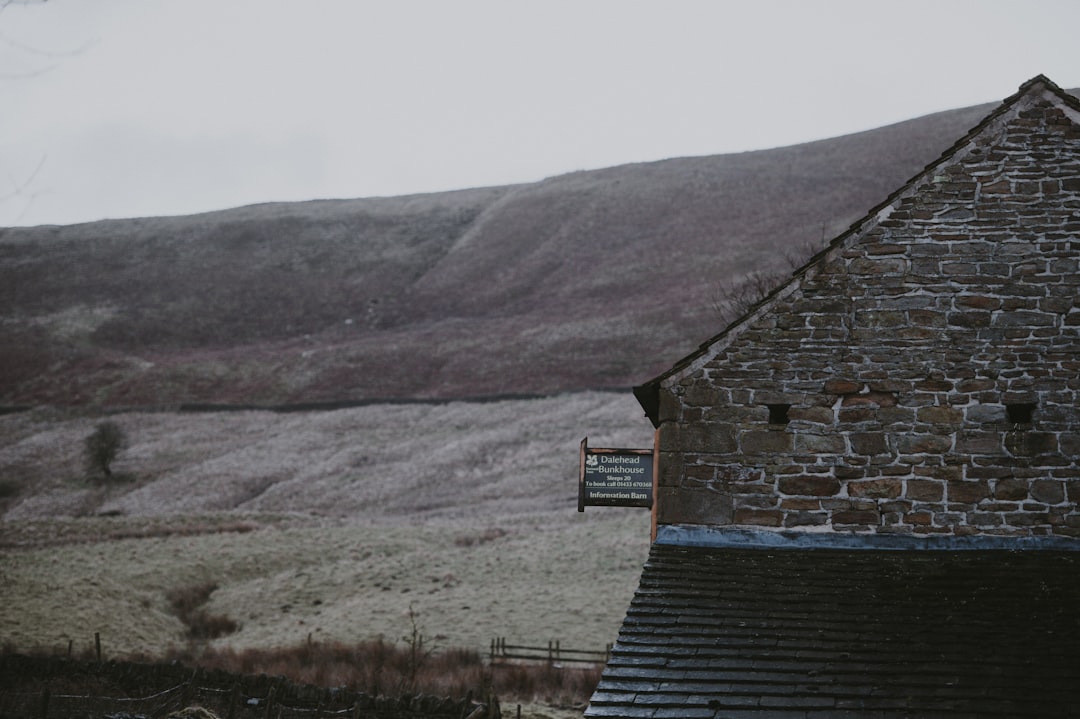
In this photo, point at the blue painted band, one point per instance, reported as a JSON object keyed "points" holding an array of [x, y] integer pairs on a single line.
{"points": [[704, 536]]}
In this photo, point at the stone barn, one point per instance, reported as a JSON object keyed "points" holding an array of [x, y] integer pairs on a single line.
{"points": [[867, 486]]}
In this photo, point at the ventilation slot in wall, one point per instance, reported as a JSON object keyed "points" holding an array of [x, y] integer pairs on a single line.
{"points": [[778, 413], [1020, 412]]}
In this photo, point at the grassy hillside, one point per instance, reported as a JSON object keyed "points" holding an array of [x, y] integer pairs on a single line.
{"points": [[332, 524], [588, 280]]}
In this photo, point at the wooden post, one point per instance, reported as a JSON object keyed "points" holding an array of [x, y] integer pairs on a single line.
{"points": [[269, 702], [234, 701], [581, 474], [189, 690], [97, 645], [655, 483]]}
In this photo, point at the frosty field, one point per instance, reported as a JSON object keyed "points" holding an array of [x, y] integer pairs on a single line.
{"points": [[352, 524]]}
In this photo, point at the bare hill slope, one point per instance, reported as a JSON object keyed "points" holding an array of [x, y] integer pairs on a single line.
{"points": [[588, 280]]}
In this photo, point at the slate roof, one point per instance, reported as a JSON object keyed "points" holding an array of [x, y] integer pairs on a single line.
{"points": [[736, 631]]}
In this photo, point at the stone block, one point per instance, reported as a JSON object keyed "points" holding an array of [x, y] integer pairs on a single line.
{"points": [[925, 490], [670, 439], [708, 438], [881, 319], [990, 472], [984, 519], [877, 266], [1026, 519], [921, 519], [759, 517], [947, 473], [978, 302], [681, 506], [805, 519], [869, 443], [890, 416], [1031, 444], [849, 472], [699, 473], [1048, 491], [934, 385], [701, 394], [735, 474], [968, 319], [968, 491], [809, 485], [766, 397], [1069, 444], [856, 415], [940, 415], [896, 506], [1022, 318], [969, 386], [869, 517], [842, 386], [876, 488], [923, 443], [1011, 489], [754, 501], [820, 444], [926, 318], [983, 443], [870, 399], [766, 442], [801, 505], [818, 415], [669, 408], [671, 469]]}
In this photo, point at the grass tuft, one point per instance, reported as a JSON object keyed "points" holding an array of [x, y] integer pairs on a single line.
{"points": [[488, 535]]}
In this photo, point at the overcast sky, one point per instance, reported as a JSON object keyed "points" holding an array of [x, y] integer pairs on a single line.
{"points": [[125, 108]]}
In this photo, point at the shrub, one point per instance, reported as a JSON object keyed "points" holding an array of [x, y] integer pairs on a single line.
{"points": [[187, 602], [9, 488], [101, 449]]}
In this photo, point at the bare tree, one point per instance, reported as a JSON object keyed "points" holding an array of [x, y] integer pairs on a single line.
{"points": [[732, 298]]}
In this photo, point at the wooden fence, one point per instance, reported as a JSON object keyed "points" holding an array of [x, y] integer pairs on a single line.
{"points": [[553, 653], [155, 691]]}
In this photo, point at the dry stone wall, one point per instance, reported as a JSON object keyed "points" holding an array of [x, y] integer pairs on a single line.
{"points": [[922, 377]]}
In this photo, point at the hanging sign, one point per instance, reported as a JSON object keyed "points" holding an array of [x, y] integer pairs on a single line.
{"points": [[615, 477]]}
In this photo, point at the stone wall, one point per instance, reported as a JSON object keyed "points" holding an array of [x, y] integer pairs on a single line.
{"points": [[921, 377]]}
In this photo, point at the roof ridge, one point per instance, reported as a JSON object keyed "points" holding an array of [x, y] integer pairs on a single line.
{"points": [[647, 393]]}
